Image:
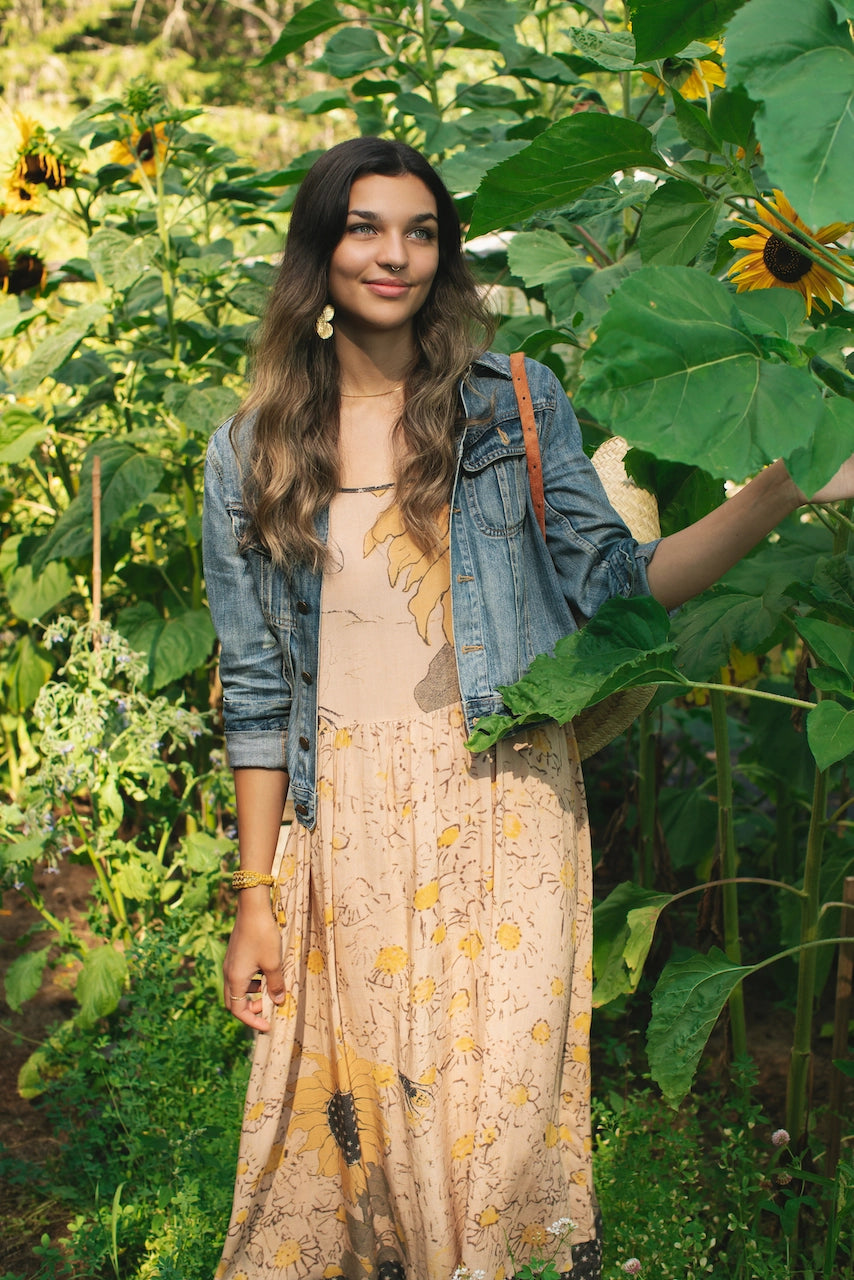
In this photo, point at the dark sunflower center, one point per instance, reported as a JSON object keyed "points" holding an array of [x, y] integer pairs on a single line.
{"points": [[341, 1114], [784, 262], [145, 145]]}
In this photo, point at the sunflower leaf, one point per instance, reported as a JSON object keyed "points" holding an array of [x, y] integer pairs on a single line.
{"points": [[306, 24], [665, 27], [561, 163], [677, 222], [780, 50], [676, 370], [686, 1003]]}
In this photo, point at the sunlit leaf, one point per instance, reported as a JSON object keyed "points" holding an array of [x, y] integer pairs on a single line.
{"points": [[120, 259], [32, 595], [830, 644], [561, 163], [686, 1004], [55, 349], [24, 977], [308, 22], [707, 629], [100, 982], [20, 432], [797, 61], [28, 667], [676, 371], [623, 929], [174, 646], [624, 646], [353, 51]]}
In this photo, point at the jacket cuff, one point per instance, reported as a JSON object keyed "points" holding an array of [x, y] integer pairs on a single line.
{"points": [[257, 749]]}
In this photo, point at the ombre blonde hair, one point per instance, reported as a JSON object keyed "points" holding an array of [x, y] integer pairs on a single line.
{"points": [[294, 401]]}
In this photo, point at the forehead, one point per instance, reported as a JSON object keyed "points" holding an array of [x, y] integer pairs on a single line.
{"points": [[402, 196]]}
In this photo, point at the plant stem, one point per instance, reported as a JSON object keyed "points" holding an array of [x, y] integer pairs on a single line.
{"points": [[796, 1091], [727, 854], [647, 798]]}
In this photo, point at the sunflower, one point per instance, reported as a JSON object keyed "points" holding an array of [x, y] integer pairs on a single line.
{"points": [[144, 149], [39, 160], [692, 77], [338, 1107], [771, 263], [22, 197]]}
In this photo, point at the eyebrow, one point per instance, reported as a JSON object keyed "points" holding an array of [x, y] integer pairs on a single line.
{"points": [[370, 216]]}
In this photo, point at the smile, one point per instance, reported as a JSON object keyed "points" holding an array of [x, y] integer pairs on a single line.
{"points": [[388, 288]]}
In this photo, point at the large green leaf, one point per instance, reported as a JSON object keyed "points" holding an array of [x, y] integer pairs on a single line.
{"points": [[677, 222], [686, 1003], [27, 669], [818, 459], [24, 977], [830, 733], [614, 50], [830, 644], [173, 646], [308, 22], [201, 408], [120, 259], [351, 52], [561, 164], [20, 432], [623, 647], [706, 629], [665, 27], [623, 928], [797, 60], [100, 983], [676, 371], [55, 349], [32, 596], [463, 171], [127, 477]]}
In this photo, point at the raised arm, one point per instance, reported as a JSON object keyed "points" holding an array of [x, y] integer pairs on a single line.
{"points": [[687, 562]]}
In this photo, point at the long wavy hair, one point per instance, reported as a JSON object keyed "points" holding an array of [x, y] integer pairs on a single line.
{"points": [[294, 400]]}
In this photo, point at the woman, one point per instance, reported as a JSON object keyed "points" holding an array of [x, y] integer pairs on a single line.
{"points": [[419, 1098]]}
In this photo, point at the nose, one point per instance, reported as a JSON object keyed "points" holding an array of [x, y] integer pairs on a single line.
{"points": [[395, 255]]}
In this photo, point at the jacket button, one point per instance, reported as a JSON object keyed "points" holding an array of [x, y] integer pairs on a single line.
{"points": [[301, 809], [302, 607], [307, 677], [304, 742]]}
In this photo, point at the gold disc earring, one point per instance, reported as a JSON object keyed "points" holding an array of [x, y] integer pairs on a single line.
{"points": [[322, 325]]}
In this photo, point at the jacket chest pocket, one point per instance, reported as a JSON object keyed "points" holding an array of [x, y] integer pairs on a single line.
{"points": [[495, 488], [269, 581]]}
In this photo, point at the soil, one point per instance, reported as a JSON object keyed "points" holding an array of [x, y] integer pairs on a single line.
{"points": [[23, 1129]]}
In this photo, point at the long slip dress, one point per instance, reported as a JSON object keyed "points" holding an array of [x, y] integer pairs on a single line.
{"points": [[421, 1102]]}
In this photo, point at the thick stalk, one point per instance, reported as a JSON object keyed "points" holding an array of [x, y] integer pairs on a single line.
{"points": [[799, 1063], [727, 854], [647, 799]]}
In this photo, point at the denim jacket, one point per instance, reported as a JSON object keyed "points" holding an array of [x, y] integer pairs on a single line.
{"points": [[513, 595]]}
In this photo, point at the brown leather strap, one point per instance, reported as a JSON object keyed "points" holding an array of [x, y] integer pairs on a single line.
{"points": [[529, 431]]}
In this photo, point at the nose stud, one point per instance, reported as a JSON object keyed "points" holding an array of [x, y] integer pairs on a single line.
{"points": [[394, 269]]}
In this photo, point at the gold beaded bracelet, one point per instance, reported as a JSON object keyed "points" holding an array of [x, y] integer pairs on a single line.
{"points": [[249, 879]]}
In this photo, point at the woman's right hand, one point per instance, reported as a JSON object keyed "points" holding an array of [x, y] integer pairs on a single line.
{"points": [[255, 947]]}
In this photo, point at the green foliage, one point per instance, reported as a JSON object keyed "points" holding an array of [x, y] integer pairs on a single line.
{"points": [[149, 1102]]}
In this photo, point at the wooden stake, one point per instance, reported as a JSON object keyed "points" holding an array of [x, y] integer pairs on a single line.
{"points": [[96, 545]]}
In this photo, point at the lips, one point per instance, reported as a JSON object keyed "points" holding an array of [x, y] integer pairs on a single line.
{"points": [[388, 288]]}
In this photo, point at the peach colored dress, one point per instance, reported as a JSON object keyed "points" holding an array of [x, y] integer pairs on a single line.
{"points": [[423, 1095]]}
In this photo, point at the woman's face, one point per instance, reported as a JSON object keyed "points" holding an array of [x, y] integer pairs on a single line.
{"points": [[381, 270]]}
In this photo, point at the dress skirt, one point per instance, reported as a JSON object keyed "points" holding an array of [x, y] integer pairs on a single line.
{"points": [[422, 1101]]}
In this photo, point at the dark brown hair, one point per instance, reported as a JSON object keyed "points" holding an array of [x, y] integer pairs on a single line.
{"points": [[294, 400]]}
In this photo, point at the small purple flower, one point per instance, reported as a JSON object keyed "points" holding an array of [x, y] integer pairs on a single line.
{"points": [[632, 1266], [780, 1138], [51, 871], [19, 884]]}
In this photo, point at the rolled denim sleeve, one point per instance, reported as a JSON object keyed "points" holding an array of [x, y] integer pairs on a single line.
{"points": [[591, 546], [256, 694]]}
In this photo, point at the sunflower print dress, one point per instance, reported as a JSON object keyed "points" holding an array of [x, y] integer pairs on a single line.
{"points": [[422, 1099]]}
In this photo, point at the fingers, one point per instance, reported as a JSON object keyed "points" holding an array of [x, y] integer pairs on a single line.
{"points": [[247, 1005]]}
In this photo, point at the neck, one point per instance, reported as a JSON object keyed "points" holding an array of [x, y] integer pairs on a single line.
{"points": [[376, 367]]}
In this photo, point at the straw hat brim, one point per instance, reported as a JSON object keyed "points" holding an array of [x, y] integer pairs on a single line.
{"points": [[598, 725]]}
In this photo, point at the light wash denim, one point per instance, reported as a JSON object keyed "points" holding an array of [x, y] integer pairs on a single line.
{"points": [[512, 595]]}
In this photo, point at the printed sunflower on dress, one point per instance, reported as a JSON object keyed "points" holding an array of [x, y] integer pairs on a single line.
{"points": [[338, 1108], [772, 263]]}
